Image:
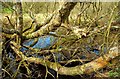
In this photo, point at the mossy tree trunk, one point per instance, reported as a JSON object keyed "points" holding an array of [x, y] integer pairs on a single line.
{"points": [[19, 22]]}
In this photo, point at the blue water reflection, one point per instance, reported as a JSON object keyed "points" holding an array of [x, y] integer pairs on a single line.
{"points": [[43, 42]]}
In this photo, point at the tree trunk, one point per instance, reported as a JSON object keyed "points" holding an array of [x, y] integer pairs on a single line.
{"points": [[19, 22]]}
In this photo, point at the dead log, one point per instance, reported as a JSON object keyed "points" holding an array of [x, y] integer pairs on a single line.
{"points": [[87, 68]]}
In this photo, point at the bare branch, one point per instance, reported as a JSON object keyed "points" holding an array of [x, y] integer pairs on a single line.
{"points": [[10, 21], [9, 31], [55, 21], [92, 66]]}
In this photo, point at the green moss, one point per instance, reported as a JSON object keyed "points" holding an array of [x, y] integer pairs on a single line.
{"points": [[7, 10], [115, 73]]}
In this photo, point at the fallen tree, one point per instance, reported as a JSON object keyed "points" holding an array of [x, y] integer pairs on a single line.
{"points": [[92, 66], [74, 34]]}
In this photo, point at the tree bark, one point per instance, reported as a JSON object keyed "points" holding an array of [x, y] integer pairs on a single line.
{"points": [[92, 66], [19, 21], [55, 21]]}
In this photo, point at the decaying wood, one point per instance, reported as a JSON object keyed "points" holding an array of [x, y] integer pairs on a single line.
{"points": [[92, 66]]}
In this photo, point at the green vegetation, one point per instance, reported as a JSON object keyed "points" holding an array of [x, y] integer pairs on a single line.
{"points": [[115, 72], [7, 10]]}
